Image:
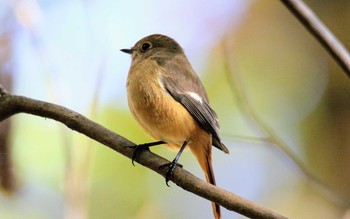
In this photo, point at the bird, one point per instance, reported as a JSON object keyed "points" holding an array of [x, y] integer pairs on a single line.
{"points": [[167, 98]]}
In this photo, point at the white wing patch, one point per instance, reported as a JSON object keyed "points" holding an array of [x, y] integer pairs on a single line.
{"points": [[192, 94], [160, 81], [195, 96]]}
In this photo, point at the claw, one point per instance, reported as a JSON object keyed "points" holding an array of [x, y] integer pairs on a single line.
{"points": [[137, 151], [171, 166], [169, 173], [139, 148]]}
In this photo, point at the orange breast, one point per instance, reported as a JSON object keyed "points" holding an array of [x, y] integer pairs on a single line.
{"points": [[157, 112]]}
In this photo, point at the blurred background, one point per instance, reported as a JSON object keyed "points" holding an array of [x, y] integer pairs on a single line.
{"points": [[283, 104]]}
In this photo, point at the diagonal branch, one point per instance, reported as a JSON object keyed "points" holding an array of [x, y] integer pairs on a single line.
{"points": [[311, 22], [234, 80], [11, 105]]}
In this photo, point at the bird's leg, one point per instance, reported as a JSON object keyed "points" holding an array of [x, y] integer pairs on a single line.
{"points": [[172, 165], [141, 147]]}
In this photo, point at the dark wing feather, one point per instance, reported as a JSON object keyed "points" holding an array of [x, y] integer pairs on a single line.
{"points": [[181, 70]]}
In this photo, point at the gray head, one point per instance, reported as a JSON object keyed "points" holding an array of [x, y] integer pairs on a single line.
{"points": [[154, 46]]}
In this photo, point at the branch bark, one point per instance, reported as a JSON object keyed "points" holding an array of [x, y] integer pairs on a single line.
{"points": [[12, 104], [313, 24]]}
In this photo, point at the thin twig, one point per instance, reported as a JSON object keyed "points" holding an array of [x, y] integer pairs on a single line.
{"points": [[313, 24], [233, 78], [11, 105]]}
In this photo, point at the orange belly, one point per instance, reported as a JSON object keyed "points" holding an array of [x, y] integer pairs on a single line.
{"points": [[158, 113]]}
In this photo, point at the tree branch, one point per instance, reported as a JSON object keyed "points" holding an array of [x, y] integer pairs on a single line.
{"points": [[234, 80], [311, 22], [11, 105]]}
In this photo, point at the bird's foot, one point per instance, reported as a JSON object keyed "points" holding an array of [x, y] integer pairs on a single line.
{"points": [[142, 147], [137, 151], [169, 173]]}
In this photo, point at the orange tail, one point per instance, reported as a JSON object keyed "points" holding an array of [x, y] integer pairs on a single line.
{"points": [[209, 175], [203, 155]]}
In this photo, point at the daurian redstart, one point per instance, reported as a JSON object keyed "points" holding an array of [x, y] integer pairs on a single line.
{"points": [[167, 98]]}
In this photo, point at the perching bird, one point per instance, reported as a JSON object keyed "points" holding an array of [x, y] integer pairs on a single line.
{"points": [[167, 98]]}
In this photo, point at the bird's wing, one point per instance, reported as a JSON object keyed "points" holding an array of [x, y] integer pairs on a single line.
{"points": [[181, 82]]}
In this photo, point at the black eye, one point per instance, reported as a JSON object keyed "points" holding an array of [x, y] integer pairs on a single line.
{"points": [[145, 47]]}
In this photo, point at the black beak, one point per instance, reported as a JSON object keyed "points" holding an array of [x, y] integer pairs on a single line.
{"points": [[129, 51]]}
